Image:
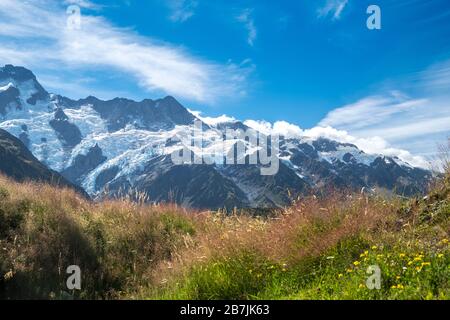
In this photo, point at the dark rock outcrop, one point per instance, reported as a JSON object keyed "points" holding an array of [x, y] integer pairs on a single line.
{"points": [[83, 164], [18, 163]]}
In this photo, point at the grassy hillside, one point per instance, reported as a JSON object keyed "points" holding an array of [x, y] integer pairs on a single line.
{"points": [[315, 249]]}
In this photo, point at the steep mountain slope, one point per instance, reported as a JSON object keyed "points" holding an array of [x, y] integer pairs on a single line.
{"points": [[18, 163], [122, 146]]}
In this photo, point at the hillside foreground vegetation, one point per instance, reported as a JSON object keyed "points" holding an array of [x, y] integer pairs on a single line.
{"points": [[314, 249]]}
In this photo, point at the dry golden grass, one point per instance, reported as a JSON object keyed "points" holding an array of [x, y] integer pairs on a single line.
{"points": [[116, 243], [129, 249], [308, 228]]}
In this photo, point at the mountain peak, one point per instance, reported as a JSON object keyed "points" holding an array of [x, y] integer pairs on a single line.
{"points": [[168, 101], [17, 73]]}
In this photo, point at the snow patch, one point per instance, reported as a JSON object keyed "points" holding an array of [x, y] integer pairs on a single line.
{"points": [[9, 85]]}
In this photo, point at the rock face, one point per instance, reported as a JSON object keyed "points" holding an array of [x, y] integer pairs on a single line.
{"points": [[67, 132], [340, 165], [116, 147], [18, 163], [9, 98], [83, 164], [20, 75], [163, 114]]}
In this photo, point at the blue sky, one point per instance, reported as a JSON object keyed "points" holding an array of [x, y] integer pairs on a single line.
{"points": [[308, 62]]}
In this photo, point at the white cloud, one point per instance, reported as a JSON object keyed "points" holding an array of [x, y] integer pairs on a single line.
{"points": [[213, 121], [78, 87], [84, 4], [374, 145], [436, 79], [36, 34], [372, 110], [181, 10], [419, 125], [246, 17], [370, 145], [281, 128], [401, 121], [262, 126], [333, 8]]}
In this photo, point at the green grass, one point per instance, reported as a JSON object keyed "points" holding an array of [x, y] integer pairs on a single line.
{"points": [[408, 243], [411, 275], [316, 249]]}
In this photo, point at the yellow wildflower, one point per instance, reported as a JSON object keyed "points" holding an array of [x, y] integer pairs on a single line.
{"points": [[365, 253], [400, 286], [356, 263], [340, 275], [402, 255], [349, 270], [444, 241], [361, 286], [440, 255], [374, 247], [426, 264]]}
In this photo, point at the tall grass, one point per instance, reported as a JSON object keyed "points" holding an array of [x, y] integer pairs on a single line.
{"points": [[320, 249], [117, 244], [314, 249]]}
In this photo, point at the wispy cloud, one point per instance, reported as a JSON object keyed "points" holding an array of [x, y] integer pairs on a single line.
{"points": [[373, 110], [246, 17], [436, 79], [35, 34], [333, 8], [181, 10], [418, 124], [87, 4], [78, 87]]}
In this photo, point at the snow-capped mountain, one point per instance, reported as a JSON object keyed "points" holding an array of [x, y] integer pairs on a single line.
{"points": [[122, 146]]}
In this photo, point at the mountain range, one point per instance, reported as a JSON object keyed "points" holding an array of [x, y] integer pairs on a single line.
{"points": [[124, 147]]}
